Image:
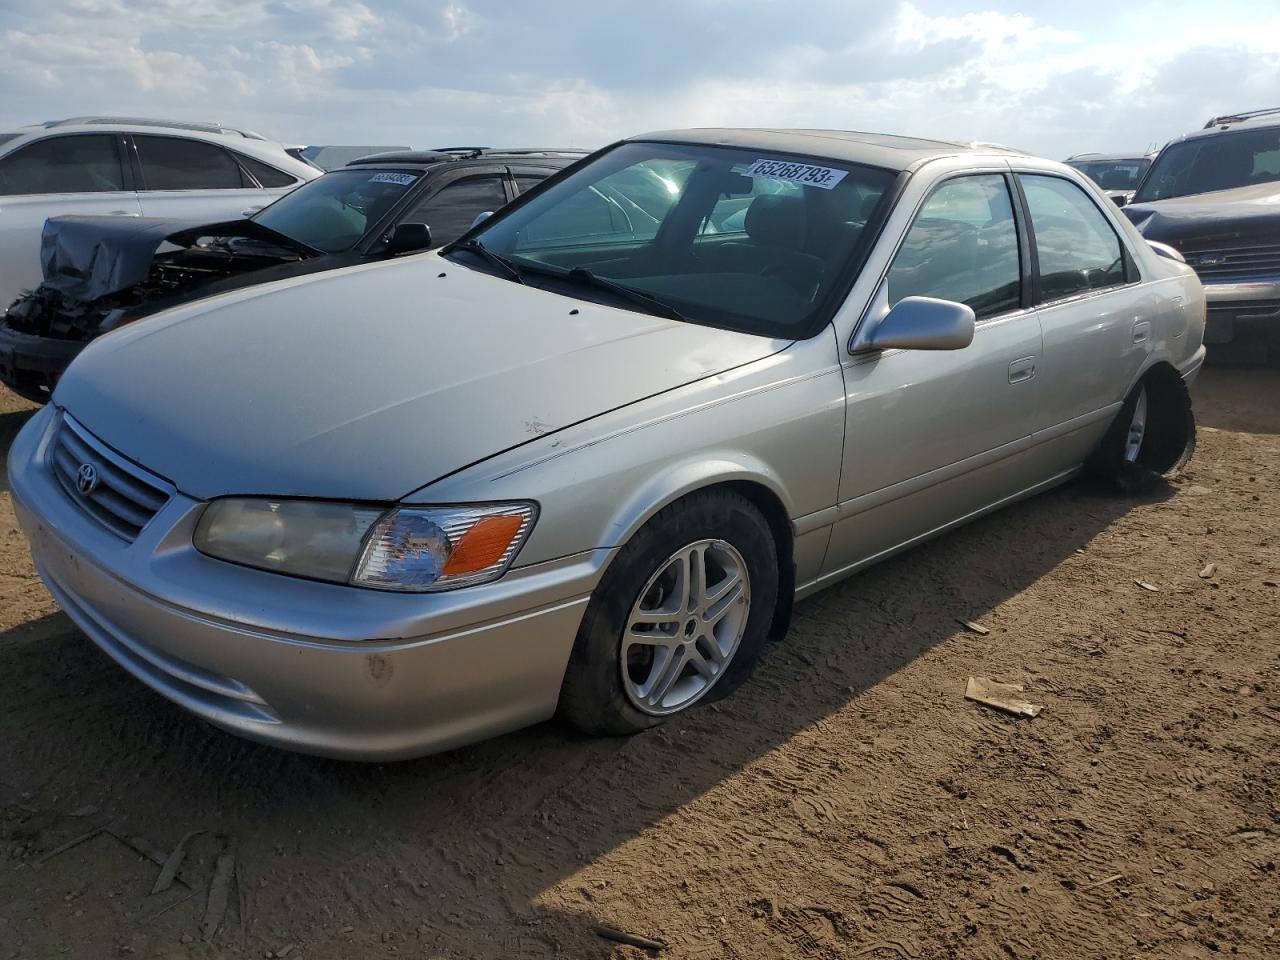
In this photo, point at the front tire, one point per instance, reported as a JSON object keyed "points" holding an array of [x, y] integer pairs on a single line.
{"points": [[678, 619]]}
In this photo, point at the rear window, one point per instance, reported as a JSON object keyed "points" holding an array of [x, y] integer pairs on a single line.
{"points": [[175, 163], [266, 174]]}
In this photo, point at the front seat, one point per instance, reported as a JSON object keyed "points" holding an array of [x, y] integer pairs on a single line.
{"points": [[775, 227]]}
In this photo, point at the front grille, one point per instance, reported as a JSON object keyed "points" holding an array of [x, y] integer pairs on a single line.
{"points": [[118, 494], [1227, 264]]}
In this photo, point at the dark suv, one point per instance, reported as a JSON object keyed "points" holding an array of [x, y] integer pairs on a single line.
{"points": [[1214, 195], [102, 272]]}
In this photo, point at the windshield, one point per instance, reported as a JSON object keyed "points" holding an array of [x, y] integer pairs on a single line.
{"points": [[1213, 163], [745, 239], [1114, 174], [332, 213]]}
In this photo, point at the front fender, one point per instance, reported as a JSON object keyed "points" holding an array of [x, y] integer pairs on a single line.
{"points": [[777, 423]]}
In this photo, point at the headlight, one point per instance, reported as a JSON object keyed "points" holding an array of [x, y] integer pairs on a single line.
{"points": [[405, 548]]}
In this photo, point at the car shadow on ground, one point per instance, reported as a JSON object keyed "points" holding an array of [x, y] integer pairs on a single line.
{"points": [[449, 844]]}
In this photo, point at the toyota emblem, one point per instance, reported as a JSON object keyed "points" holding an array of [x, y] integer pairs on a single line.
{"points": [[87, 479]]}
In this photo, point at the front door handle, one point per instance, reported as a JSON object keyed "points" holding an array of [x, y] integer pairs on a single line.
{"points": [[1020, 371]]}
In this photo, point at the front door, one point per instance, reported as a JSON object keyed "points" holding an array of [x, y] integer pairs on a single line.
{"points": [[933, 436]]}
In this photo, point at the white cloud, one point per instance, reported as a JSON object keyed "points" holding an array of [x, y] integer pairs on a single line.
{"points": [[447, 70]]}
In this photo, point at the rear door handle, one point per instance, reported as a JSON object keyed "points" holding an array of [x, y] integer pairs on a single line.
{"points": [[1022, 370], [1141, 331]]}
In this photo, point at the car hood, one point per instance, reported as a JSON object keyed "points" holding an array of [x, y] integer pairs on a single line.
{"points": [[1238, 214], [86, 257], [370, 382]]}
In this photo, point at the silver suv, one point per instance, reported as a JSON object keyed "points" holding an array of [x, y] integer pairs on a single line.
{"points": [[129, 167]]}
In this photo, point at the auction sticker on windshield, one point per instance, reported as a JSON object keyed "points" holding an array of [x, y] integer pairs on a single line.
{"points": [[804, 174], [403, 179]]}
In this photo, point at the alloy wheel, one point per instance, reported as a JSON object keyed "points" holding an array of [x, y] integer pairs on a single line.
{"points": [[685, 627]]}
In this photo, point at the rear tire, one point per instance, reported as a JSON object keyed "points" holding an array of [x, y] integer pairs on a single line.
{"points": [[1152, 437], [707, 563]]}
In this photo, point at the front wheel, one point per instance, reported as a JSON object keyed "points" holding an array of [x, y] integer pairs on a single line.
{"points": [[678, 619]]}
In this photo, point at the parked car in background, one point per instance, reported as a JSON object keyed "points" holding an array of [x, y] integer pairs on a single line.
{"points": [[127, 167], [584, 460], [1214, 195], [103, 272], [1116, 173]]}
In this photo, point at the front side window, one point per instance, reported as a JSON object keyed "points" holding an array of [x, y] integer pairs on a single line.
{"points": [[1220, 162], [85, 163], [452, 210], [963, 246], [731, 237], [332, 213], [1077, 247], [174, 163]]}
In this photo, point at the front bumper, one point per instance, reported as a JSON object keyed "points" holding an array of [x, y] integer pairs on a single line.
{"points": [[30, 366], [314, 667], [1239, 311]]}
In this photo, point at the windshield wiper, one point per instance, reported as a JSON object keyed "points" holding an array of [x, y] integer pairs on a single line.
{"points": [[509, 269], [585, 277]]}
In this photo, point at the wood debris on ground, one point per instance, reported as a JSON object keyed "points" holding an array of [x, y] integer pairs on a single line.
{"points": [[1147, 586], [972, 626], [1001, 696]]}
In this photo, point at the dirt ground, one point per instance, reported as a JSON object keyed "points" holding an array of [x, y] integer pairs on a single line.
{"points": [[847, 802]]}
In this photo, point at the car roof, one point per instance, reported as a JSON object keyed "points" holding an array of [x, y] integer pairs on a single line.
{"points": [[245, 141], [853, 146], [1247, 120], [452, 154], [1106, 157]]}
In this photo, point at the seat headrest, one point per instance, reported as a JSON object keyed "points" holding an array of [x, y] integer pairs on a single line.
{"points": [[776, 220]]}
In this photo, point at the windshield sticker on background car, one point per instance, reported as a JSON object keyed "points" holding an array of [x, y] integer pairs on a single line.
{"points": [[403, 179], [802, 173]]}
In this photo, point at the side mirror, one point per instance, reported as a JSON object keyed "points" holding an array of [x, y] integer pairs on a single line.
{"points": [[407, 238], [481, 218], [923, 323]]}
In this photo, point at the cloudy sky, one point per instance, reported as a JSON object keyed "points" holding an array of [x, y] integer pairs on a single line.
{"points": [[1055, 78]]}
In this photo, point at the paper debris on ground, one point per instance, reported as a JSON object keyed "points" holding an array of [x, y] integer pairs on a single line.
{"points": [[1147, 586], [1001, 696], [1208, 571]]}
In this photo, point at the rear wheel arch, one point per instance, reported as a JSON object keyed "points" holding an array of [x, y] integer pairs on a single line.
{"points": [[1169, 435]]}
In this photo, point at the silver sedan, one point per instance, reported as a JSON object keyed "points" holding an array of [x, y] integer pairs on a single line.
{"points": [[585, 458]]}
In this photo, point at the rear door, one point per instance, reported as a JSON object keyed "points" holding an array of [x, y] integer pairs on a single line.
{"points": [[933, 436], [57, 175], [192, 179], [1093, 313]]}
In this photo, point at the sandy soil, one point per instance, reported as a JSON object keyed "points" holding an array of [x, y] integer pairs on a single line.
{"points": [[847, 802]]}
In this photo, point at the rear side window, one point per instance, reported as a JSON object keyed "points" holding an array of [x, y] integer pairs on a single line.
{"points": [[86, 163], [173, 163], [1078, 249], [450, 211], [265, 174], [963, 246]]}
